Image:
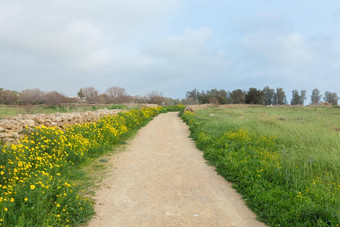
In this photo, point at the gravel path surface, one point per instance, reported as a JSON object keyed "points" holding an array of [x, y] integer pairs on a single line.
{"points": [[163, 180]]}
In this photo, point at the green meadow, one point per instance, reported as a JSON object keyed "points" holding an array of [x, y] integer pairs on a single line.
{"points": [[285, 161]]}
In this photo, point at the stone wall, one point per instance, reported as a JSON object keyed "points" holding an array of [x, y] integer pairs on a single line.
{"points": [[11, 128]]}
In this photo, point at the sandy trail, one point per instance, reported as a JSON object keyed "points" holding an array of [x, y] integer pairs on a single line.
{"points": [[163, 180]]}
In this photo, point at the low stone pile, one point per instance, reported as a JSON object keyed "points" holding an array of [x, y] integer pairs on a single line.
{"points": [[193, 108], [11, 128]]}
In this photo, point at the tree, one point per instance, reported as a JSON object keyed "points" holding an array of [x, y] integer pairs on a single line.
{"points": [[295, 98], [203, 97], [156, 97], [81, 93], [331, 97], [279, 97], [268, 95], [217, 96], [116, 94], [254, 96], [303, 96], [238, 96], [31, 96], [8, 97], [91, 95], [54, 98], [315, 97], [140, 99], [192, 95], [298, 99]]}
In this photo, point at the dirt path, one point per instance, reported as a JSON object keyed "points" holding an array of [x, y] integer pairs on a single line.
{"points": [[163, 180]]}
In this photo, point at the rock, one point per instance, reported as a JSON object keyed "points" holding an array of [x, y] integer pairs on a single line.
{"points": [[7, 124]]}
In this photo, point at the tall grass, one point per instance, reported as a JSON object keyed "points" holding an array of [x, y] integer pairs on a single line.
{"points": [[285, 161]]}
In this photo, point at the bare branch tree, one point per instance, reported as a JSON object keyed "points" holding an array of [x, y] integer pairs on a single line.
{"points": [[116, 94], [31, 96], [91, 94], [54, 98]]}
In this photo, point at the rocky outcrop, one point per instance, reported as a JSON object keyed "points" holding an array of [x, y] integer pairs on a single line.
{"points": [[11, 128]]}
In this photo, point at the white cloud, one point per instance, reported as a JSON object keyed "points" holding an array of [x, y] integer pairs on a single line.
{"points": [[289, 50], [141, 45], [81, 34], [188, 51], [190, 44]]}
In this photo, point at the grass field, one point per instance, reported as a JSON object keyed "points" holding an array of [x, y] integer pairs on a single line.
{"points": [[284, 161]]}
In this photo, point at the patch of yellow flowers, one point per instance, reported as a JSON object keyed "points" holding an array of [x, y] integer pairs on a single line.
{"points": [[34, 174]]}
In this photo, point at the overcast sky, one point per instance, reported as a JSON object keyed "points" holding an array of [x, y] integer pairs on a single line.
{"points": [[169, 46]]}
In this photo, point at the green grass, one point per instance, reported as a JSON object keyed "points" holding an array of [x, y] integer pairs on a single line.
{"points": [[284, 161]]}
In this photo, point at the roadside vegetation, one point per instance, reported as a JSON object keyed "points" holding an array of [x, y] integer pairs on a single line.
{"points": [[41, 180], [284, 161]]}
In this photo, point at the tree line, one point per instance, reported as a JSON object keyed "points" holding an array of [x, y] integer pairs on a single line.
{"points": [[90, 95], [266, 96], [118, 95]]}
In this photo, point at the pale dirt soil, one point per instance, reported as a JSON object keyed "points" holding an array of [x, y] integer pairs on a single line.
{"points": [[163, 180]]}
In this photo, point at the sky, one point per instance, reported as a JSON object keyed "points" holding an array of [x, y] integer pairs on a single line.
{"points": [[169, 46]]}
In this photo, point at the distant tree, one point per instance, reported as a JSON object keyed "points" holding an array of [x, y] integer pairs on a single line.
{"points": [[116, 94], [268, 95], [54, 98], [295, 97], [31, 96], [193, 96], [104, 99], [203, 97], [298, 99], [156, 97], [238, 96], [254, 96], [303, 96], [8, 97], [315, 97], [81, 93], [331, 97], [217, 96], [140, 99], [280, 97], [171, 101], [91, 95]]}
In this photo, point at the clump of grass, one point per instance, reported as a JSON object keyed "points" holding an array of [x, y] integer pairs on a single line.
{"points": [[117, 106], [288, 171]]}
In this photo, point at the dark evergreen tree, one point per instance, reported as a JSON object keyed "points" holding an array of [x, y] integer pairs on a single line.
{"points": [[254, 96]]}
